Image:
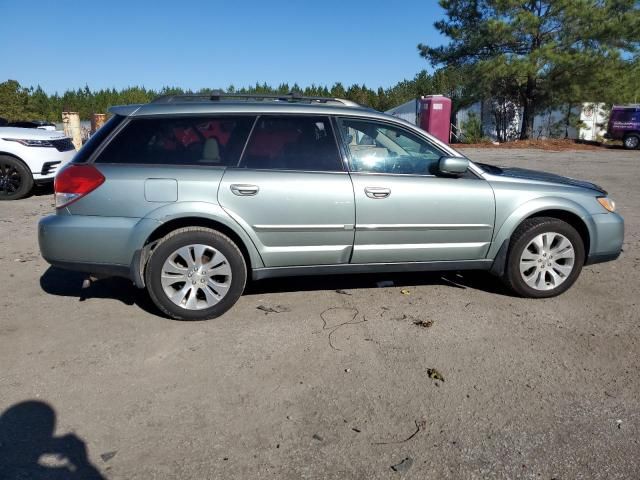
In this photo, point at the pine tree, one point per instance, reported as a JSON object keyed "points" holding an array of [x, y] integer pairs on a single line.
{"points": [[541, 50]]}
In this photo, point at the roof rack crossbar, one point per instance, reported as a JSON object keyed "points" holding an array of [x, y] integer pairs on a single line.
{"points": [[216, 97]]}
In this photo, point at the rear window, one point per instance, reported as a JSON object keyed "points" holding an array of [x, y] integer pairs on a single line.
{"points": [[292, 143], [213, 141], [97, 138]]}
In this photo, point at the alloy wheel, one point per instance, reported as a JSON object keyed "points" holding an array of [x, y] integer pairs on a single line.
{"points": [[196, 277], [547, 261], [10, 179], [631, 142]]}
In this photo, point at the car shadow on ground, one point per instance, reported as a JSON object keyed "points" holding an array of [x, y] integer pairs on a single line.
{"points": [[56, 281], [475, 280], [67, 283], [42, 189], [31, 450]]}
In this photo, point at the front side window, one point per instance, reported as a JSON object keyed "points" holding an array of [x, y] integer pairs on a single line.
{"points": [[214, 141], [292, 143], [382, 148]]}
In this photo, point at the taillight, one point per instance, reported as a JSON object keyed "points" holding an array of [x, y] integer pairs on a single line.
{"points": [[74, 181]]}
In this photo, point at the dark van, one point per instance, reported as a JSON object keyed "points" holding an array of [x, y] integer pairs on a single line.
{"points": [[624, 124]]}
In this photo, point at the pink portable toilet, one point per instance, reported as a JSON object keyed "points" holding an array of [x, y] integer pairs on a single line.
{"points": [[435, 116]]}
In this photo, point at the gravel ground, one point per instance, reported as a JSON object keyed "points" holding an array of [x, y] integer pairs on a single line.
{"points": [[333, 385]]}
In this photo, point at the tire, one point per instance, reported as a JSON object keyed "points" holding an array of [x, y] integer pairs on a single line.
{"points": [[209, 260], [631, 142], [16, 180], [539, 263]]}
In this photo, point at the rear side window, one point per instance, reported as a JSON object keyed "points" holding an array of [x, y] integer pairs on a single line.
{"points": [[214, 141], [96, 139], [292, 143]]}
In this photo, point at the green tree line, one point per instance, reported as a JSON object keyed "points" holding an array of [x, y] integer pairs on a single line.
{"points": [[19, 102]]}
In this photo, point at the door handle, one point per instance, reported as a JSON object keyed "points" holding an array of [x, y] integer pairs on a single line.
{"points": [[377, 192], [244, 190]]}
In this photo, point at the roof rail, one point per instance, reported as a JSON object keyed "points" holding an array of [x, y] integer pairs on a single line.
{"points": [[217, 97]]}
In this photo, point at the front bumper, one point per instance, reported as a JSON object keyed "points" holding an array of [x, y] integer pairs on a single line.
{"points": [[606, 239], [44, 169]]}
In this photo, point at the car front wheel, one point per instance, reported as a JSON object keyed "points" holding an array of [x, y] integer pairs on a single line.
{"points": [[545, 258], [16, 180], [195, 273]]}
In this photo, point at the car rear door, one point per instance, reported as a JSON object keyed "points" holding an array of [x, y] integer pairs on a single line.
{"points": [[291, 192], [406, 211]]}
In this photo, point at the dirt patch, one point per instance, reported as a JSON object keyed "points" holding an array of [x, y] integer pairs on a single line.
{"points": [[558, 145]]}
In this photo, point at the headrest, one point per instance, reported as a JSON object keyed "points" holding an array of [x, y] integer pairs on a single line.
{"points": [[211, 151]]}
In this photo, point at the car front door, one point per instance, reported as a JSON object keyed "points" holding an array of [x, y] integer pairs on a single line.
{"points": [[291, 192], [406, 211]]}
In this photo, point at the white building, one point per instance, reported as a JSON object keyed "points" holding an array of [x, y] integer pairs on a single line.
{"points": [[548, 124]]}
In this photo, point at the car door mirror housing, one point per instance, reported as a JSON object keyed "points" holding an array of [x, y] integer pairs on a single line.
{"points": [[453, 165]]}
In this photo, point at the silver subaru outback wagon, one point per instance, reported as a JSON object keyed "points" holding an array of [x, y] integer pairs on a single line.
{"points": [[190, 196]]}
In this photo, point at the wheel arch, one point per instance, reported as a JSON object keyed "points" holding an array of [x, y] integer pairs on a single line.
{"points": [[13, 155], [565, 210], [196, 219]]}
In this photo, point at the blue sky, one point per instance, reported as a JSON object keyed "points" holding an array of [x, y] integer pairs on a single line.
{"points": [[195, 43]]}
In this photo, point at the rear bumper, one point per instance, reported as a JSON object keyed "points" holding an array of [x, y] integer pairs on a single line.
{"points": [[607, 238], [97, 269], [106, 246]]}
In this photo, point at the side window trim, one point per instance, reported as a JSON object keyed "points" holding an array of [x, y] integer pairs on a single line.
{"points": [[246, 142], [330, 122], [340, 142], [390, 124]]}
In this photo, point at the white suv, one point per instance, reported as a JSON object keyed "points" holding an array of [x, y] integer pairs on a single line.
{"points": [[28, 156]]}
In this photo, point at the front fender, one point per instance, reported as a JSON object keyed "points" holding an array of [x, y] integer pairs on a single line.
{"points": [[532, 207]]}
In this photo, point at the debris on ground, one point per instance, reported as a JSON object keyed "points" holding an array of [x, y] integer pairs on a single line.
{"points": [[435, 374], [384, 283], [405, 291], [333, 328], [403, 466], [619, 423], [416, 321], [420, 425], [343, 292], [423, 323], [108, 455], [276, 309]]}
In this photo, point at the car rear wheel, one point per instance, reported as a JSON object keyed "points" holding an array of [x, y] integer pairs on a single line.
{"points": [[631, 142], [545, 258], [195, 273], [16, 180]]}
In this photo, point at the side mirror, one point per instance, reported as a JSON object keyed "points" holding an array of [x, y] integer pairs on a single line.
{"points": [[453, 165]]}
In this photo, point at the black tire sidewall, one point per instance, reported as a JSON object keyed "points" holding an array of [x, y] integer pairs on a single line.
{"points": [[515, 252], [26, 178], [214, 239]]}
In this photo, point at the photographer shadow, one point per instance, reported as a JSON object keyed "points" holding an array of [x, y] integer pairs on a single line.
{"points": [[29, 449]]}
